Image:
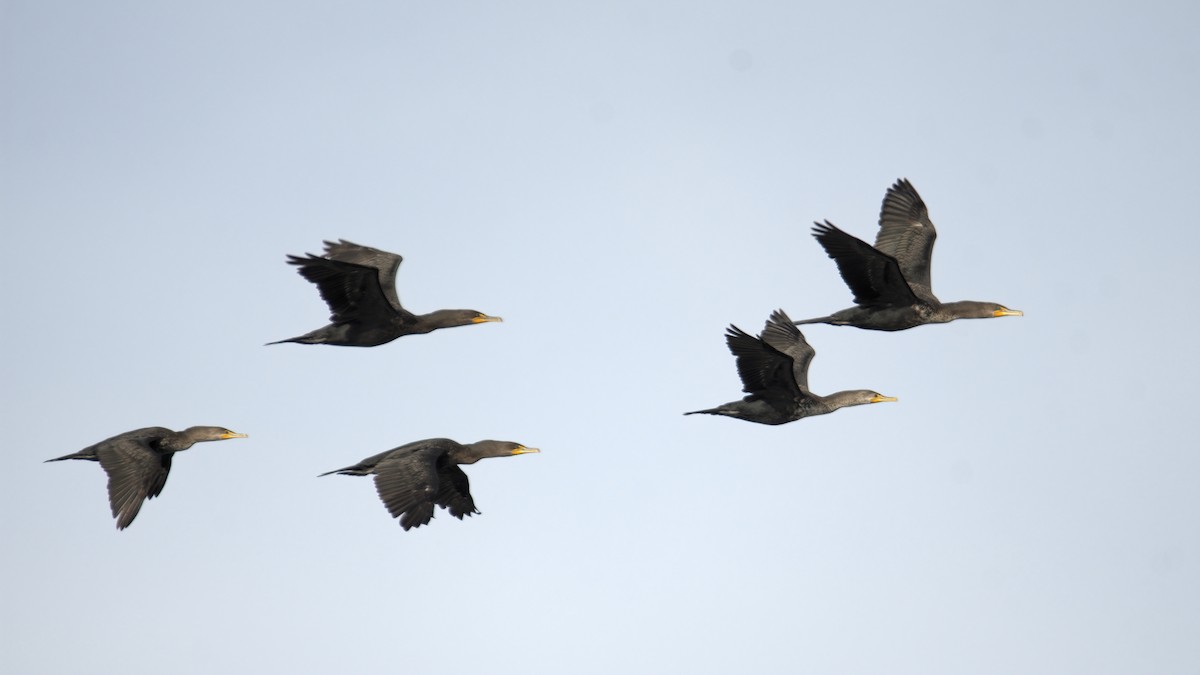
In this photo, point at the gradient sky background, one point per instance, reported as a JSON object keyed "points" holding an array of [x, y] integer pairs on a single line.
{"points": [[619, 181]]}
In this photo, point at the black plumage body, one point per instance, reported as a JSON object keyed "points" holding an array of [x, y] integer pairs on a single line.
{"points": [[138, 462], [414, 478], [891, 280], [774, 371], [359, 285]]}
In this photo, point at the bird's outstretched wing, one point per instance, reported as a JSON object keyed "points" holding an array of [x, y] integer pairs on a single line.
{"points": [[352, 291], [907, 234], [454, 491], [874, 277], [386, 263], [136, 472], [781, 334], [766, 372], [408, 484]]}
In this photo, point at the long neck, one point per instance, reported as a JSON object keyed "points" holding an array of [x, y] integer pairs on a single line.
{"points": [[446, 318], [473, 452], [844, 399], [965, 309], [177, 441]]}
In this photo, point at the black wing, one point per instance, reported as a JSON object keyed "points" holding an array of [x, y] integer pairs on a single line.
{"points": [[906, 233], [781, 334], [454, 491], [874, 277], [352, 291], [136, 472], [766, 372], [407, 484], [386, 263]]}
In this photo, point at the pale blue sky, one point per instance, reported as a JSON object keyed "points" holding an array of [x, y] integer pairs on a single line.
{"points": [[619, 181]]}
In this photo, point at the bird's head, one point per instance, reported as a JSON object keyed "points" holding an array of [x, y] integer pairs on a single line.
{"points": [[448, 318], [211, 434], [480, 317], [972, 309], [485, 449]]}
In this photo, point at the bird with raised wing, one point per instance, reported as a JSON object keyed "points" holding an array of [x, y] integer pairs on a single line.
{"points": [[359, 285], [774, 369], [890, 280]]}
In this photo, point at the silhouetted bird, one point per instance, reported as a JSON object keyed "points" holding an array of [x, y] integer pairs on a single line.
{"points": [[137, 463], [414, 477], [890, 280], [359, 285], [774, 370]]}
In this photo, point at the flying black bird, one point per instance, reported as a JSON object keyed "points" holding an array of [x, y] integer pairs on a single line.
{"points": [[137, 463], [359, 285], [414, 477], [774, 370], [890, 280]]}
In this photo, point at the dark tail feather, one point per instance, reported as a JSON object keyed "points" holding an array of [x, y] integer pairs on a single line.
{"points": [[355, 470], [316, 337], [82, 454], [710, 411], [820, 319]]}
